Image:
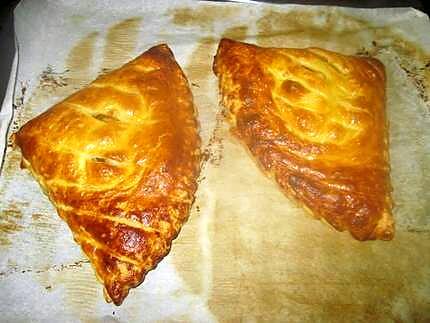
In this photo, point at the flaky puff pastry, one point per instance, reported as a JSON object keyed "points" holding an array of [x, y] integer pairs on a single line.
{"points": [[315, 121], [119, 159]]}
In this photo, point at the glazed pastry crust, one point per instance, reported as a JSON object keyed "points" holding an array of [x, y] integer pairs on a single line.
{"points": [[315, 121], [120, 159]]}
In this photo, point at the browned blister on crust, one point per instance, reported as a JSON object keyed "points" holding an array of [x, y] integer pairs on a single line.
{"points": [[315, 121], [119, 159]]}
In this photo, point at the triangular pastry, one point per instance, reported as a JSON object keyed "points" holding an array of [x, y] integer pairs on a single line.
{"points": [[119, 159], [315, 121]]}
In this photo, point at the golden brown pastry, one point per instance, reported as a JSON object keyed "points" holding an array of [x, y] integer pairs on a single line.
{"points": [[315, 121], [119, 159]]}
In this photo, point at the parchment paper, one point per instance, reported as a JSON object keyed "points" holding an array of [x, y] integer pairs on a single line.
{"points": [[247, 253]]}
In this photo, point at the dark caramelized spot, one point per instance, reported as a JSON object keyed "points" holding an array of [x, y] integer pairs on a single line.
{"points": [[99, 159], [104, 117], [293, 90]]}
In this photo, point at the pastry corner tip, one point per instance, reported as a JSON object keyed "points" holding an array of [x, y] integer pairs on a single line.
{"points": [[115, 293], [161, 49], [385, 233], [226, 42], [384, 230]]}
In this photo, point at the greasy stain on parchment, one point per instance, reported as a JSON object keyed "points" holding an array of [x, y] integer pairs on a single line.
{"points": [[237, 33], [204, 16], [80, 59], [9, 224], [120, 43], [12, 162]]}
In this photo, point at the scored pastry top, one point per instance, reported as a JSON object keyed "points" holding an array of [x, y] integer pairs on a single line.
{"points": [[315, 120], [120, 159]]}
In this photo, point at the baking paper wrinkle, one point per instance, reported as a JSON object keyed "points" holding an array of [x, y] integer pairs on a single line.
{"points": [[247, 252]]}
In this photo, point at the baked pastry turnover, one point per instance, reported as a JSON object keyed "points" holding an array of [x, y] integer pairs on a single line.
{"points": [[315, 121], [119, 159]]}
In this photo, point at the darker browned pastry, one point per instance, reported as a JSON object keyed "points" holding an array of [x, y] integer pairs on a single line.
{"points": [[119, 159], [315, 121]]}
